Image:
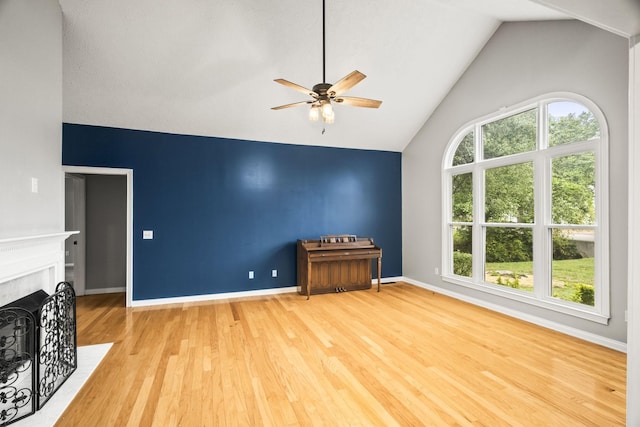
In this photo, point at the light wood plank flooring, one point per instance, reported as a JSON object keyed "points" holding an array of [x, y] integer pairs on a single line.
{"points": [[404, 356]]}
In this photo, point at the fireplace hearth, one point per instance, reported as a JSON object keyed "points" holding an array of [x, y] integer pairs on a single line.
{"points": [[38, 350]]}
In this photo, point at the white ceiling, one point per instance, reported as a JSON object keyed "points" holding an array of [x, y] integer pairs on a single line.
{"points": [[621, 17], [206, 67]]}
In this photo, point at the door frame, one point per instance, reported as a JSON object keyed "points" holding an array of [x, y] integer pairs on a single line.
{"points": [[89, 170]]}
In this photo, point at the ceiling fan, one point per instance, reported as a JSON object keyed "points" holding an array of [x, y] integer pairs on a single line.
{"points": [[323, 94]]}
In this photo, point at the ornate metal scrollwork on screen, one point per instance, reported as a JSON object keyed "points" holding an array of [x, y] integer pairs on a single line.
{"points": [[17, 367], [58, 357]]}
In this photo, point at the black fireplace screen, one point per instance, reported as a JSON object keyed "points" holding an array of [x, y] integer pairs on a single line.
{"points": [[58, 353], [17, 367], [38, 350]]}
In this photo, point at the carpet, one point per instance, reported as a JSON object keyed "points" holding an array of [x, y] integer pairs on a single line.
{"points": [[89, 357]]}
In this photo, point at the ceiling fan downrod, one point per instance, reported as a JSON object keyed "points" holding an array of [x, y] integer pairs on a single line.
{"points": [[324, 78]]}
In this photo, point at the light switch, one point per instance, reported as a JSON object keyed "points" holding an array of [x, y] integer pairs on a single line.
{"points": [[147, 234], [34, 185]]}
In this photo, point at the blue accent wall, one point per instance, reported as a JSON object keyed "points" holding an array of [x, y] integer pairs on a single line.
{"points": [[221, 207]]}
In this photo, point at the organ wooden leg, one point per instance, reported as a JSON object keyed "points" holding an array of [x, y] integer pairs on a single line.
{"points": [[308, 280], [379, 271]]}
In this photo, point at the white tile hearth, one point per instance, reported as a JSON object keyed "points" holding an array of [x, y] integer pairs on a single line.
{"points": [[89, 357]]}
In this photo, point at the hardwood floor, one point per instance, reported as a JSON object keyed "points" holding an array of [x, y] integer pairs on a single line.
{"points": [[404, 356]]}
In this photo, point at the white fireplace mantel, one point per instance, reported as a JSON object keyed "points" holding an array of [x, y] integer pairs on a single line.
{"points": [[24, 255]]}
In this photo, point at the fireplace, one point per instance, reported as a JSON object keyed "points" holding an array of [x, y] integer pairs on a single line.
{"points": [[30, 263], [37, 323], [18, 333]]}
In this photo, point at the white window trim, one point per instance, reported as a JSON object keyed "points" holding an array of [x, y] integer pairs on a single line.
{"points": [[541, 159]]}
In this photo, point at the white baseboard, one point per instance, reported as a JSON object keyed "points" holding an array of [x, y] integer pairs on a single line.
{"points": [[212, 297], [577, 333], [113, 290], [387, 280], [243, 294]]}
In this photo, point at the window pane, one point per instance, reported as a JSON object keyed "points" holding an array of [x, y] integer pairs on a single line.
{"points": [[509, 257], [573, 265], [511, 135], [464, 153], [462, 254], [509, 193], [571, 122], [462, 197], [573, 199]]}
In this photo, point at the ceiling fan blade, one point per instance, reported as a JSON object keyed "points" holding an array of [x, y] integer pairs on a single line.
{"points": [[346, 83], [297, 87], [358, 102], [295, 104]]}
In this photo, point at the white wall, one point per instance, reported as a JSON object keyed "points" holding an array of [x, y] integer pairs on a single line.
{"points": [[30, 117], [522, 61]]}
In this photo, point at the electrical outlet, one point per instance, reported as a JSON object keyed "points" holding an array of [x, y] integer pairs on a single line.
{"points": [[436, 271], [274, 273], [251, 275]]}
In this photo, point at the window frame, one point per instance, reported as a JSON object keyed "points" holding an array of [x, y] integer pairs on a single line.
{"points": [[541, 158]]}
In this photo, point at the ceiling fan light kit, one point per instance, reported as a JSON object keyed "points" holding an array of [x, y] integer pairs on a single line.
{"points": [[314, 113], [324, 93]]}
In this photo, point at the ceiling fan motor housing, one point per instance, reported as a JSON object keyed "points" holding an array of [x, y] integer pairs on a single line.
{"points": [[322, 90]]}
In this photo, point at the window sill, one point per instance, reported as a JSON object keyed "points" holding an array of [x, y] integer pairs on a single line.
{"points": [[549, 304]]}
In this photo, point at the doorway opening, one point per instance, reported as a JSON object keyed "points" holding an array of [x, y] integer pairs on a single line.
{"points": [[99, 204]]}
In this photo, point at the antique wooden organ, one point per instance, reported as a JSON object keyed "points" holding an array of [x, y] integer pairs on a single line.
{"points": [[336, 263]]}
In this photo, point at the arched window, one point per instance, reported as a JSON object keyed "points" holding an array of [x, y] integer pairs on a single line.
{"points": [[525, 206]]}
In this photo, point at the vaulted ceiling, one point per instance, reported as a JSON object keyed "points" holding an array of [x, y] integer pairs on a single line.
{"points": [[206, 67]]}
